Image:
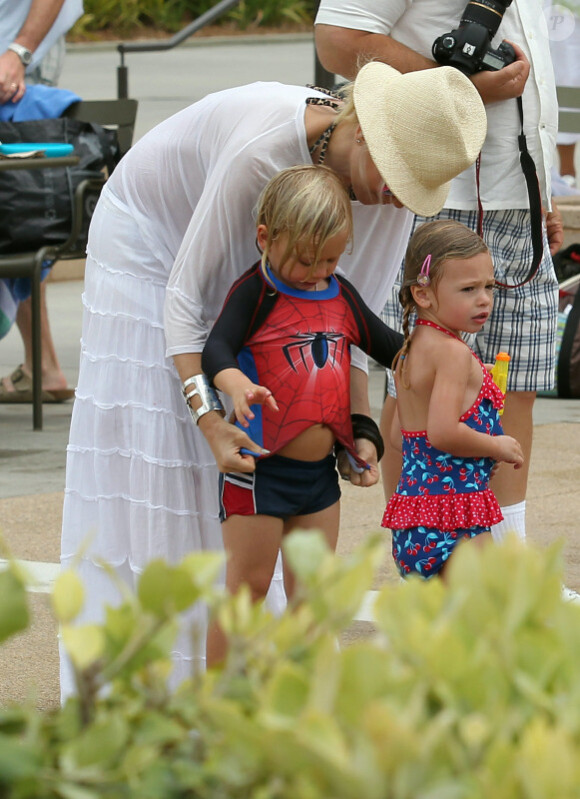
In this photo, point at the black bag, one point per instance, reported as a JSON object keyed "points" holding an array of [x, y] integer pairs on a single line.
{"points": [[36, 205], [567, 262]]}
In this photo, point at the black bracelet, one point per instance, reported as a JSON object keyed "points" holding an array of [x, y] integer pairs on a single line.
{"points": [[365, 427]]}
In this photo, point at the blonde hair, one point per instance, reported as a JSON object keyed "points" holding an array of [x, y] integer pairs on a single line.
{"points": [[347, 112], [444, 240], [309, 205]]}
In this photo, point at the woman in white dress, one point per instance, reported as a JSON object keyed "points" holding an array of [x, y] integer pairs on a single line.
{"points": [[172, 230]]}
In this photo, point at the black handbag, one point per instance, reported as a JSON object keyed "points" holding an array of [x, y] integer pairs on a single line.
{"points": [[567, 262], [36, 206]]}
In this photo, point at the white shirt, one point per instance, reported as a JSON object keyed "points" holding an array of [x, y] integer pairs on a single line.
{"points": [[417, 23], [192, 184], [13, 14]]}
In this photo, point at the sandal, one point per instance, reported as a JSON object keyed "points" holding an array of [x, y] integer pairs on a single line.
{"points": [[23, 390]]}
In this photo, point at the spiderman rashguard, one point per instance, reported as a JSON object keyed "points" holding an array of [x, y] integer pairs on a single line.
{"points": [[297, 343]]}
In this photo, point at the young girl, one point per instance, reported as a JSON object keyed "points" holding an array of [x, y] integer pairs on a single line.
{"points": [[281, 349], [448, 405]]}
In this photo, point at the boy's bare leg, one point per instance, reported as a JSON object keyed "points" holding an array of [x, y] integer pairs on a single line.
{"points": [[327, 521], [251, 544]]}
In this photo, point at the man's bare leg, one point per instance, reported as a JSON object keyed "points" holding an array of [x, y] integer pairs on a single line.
{"points": [[509, 484], [52, 374]]}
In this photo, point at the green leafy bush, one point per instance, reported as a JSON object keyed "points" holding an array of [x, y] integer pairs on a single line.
{"points": [[467, 691], [129, 17]]}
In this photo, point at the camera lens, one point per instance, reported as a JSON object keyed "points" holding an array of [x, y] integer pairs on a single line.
{"points": [[468, 48], [488, 13]]}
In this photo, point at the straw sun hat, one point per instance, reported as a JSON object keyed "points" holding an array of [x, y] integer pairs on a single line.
{"points": [[421, 128]]}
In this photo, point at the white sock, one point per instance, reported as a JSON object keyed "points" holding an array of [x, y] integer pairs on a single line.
{"points": [[514, 521]]}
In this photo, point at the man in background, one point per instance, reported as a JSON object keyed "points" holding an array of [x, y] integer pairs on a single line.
{"points": [[523, 322]]}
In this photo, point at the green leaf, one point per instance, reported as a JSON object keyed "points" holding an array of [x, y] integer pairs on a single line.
{"points": [[14, 615], [67, 790], [287, 692], [101, 744], [18, 760], [68, 597], [306, 552], [121, 623], [84, 645], [134, 639], [204, 568], [157, 729], [547, 761], [164, 590]]}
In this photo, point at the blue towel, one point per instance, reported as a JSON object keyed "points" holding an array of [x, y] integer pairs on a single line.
{"points": [[38, 102]]}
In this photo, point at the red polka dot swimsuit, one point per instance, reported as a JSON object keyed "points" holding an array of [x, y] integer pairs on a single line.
{"points": [[441, 498]]}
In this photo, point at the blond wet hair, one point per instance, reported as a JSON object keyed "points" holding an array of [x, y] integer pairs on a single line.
{"points": [[308, 204]]}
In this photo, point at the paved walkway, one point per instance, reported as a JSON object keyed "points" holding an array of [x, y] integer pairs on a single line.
{"points": [[32, 463]]}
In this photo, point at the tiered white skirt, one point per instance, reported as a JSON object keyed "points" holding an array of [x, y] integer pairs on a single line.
{"points": [[141, 482]]}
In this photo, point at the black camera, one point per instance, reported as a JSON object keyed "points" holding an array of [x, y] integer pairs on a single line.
{"points": [[468, 48]]}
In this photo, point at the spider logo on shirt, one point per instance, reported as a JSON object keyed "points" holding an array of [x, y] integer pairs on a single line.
{"points": [[321, 346]]}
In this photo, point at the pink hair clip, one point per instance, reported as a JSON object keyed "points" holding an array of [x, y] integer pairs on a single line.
{"points": [[423, 278]]}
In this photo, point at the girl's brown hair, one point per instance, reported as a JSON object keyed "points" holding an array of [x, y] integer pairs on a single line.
{"points": [[309, 205], [444, 240]]}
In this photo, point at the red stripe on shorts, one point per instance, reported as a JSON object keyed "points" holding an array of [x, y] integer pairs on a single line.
{"points": [[238, 499]]}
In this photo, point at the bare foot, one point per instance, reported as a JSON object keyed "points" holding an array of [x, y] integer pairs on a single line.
{"points": [[55, 383], [52, 380]]}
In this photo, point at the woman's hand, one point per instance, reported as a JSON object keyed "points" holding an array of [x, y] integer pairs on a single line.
{"points": [[225, 441], [365, 449]]}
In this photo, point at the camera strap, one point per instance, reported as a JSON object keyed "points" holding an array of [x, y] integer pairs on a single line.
{"points": [[535, 199]]}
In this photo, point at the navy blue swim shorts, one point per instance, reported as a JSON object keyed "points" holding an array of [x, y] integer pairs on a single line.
{"points": [[281, 487]]}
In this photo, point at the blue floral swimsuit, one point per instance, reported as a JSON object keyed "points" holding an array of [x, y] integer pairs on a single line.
{"points": [[441, 498]]}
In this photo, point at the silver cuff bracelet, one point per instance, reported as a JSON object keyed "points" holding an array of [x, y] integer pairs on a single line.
{"points": [[208, 396]]}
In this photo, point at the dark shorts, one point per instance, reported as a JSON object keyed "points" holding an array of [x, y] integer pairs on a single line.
{"points": [[425, 550], [280, 487]]}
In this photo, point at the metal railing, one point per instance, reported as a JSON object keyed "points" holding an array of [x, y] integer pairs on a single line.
{"points": [[166, 44], [321, 76]]}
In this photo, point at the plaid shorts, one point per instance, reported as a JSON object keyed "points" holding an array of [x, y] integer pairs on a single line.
{"points": [[524, 320]]}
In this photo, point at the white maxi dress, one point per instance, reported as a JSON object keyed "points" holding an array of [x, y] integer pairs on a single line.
{"points": [[173, 229]]}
